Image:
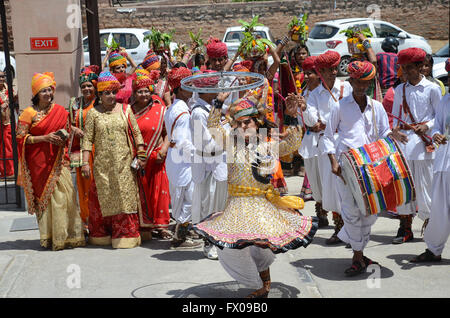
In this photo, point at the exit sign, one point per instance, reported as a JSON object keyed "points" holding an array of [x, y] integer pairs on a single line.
{"points": [[44, 43]]}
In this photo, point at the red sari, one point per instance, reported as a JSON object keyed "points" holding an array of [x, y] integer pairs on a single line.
{"points": [[154, 185], [6, 166]]}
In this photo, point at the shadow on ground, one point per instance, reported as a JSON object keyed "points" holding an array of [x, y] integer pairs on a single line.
{"points": [[215, 290], [333, 269], [402, 260]]}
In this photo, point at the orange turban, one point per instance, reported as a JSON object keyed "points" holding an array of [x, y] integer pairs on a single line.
{"points": [[176, 75], [41, 81]]}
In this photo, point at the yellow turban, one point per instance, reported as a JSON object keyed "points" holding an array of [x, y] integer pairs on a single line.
{"points": [[41, 81]]}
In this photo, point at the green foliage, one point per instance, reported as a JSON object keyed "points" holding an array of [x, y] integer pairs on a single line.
{"points": [[296, 22], [196, 38], [352, 32], [114, 46], [250, 27], [251, 45], [158, 39]]}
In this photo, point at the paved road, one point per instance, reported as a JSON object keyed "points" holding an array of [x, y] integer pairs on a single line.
{"points": [[152, 270]]}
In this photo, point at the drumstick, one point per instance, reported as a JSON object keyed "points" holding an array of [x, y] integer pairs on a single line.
{"points": [[409, 125]]}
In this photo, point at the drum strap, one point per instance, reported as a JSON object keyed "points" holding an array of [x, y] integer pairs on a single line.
{"points": [[374, 119]]}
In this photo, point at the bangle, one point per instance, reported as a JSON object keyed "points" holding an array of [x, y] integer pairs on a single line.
{"points": [[84, 164], [366, 44], [285, 40], [31, 139], [290, 121]]}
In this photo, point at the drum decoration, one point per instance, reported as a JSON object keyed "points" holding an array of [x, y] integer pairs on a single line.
{"points": [[379, 176]]}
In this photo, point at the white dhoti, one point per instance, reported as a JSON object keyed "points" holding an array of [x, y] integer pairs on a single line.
{"points": [[244, 265], [422, 173], [312, 171], [356, 229], [330, 198], [438, 228], [181, 201], [209, 196]]}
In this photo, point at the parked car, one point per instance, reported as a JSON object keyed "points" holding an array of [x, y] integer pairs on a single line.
{"points": [[130, 39], [326, 36], [234, 35], [439, 59], [3, 63]]}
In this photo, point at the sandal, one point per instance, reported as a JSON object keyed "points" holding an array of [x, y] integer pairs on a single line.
{"points": [[355, 269], [163, 234], [427, 256], [368, 261], [260, 293]]}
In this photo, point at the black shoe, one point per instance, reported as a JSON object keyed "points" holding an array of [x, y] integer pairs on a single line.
{"points": [[403, 236]]}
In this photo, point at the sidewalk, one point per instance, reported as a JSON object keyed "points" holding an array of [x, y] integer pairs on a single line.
{"points": [[153, 270]]}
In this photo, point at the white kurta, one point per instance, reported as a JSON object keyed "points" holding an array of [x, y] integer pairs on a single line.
{"points": [[355, 129], [178, 161], [209, 172], [438, 228], [319, 105], [423, 100]]}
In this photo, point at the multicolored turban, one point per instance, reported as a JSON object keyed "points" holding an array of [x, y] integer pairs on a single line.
{"points": [[447, 65], [107, 82], [309, 63], [151, 61], [245, 107], [216, 48], [41, 81], [176, 75], [242, 67], [206, 81], [116, 59], [411, 55], [329, 59], [141, 81], [89, 74], [362, 70]]}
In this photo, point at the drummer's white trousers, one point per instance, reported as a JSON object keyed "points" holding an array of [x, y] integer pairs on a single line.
{"points": [[330, 198], [357, 226], [438, 228], [422, 173], [312, 171]]}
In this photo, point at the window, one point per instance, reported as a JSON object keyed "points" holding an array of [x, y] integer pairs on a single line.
{"points": [[103, 37], [443, 52], [237, 36], [126, 40], [321, 31], [384, 30]]}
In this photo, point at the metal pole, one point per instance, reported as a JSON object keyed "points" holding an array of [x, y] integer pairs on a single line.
{"points": [[12, 103], [93, 32]]}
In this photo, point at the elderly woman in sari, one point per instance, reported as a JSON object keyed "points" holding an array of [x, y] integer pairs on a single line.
{"points": [[112, 129], [43, 171]]}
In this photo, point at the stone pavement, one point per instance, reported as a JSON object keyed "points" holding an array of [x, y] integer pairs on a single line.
{"points": [[153, 270]]}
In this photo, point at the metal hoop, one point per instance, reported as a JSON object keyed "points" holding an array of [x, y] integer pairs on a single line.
{"points": [[222, 75]]}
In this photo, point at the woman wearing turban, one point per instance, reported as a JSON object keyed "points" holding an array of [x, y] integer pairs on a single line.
{"points": [[43, 173], [112, 129], [78, 109]]}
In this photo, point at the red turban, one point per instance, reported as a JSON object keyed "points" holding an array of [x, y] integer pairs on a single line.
{"points": [[329, 59], [363, 70], [447, 65], [411, 55], [207, 81], [308, 63], [216, 48], [176, 75]]}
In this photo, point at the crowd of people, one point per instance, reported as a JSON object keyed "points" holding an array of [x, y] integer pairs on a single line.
{"points": [[124, 137]]}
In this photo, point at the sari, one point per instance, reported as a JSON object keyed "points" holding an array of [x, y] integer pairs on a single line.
{"points": [[154, 185], [78, 119], [46, 179], [6, 165]]}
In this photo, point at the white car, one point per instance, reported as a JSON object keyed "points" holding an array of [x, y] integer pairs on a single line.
{"points": [[325, 36], [439, 58], [234, 35], [130, 39], [3, 63]]}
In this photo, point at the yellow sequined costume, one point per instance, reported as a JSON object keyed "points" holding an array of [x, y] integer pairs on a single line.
{"points": [[253, 213]]}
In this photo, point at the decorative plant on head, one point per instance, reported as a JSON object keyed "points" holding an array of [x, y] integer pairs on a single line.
{"points": [[299, 28], [353, 43], [179, 51], [197, 40], [252, 45], [158, 40], [113, 46]]}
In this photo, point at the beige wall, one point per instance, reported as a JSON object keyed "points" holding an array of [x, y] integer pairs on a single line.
{"points": [[47, 18]]}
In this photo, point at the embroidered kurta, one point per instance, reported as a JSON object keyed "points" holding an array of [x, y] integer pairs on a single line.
{"points": [[114, 178]]}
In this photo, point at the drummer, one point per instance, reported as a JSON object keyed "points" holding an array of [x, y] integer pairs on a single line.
{"points": [[354, 120]]}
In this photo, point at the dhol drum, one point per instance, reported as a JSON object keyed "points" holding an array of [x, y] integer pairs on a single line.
{"points": [[378, 176]]}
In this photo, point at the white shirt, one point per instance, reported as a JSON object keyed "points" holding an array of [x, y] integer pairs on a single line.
{"points": [[442, 126], [320, 103], [355, 129], [178, 161], [423, 100], [309, 147], [203, 142]]}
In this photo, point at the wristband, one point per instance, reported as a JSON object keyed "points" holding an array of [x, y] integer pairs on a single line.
{"points": [[290, 121], [217, 103], [366, 44]]}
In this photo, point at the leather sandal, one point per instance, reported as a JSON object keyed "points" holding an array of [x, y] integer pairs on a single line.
{"points": [[356, 269], [425, 257]]}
